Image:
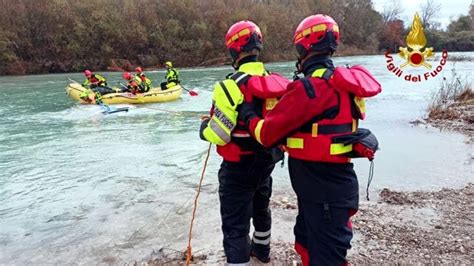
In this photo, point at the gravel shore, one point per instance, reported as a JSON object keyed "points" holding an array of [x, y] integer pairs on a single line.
{"points": [[400, 227]]}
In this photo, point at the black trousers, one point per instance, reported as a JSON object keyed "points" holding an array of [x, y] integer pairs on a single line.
{"points": [[103, 90], [244, 192], [327, 197], [163, 86]]}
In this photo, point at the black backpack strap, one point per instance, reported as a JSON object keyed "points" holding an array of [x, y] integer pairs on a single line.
{"points": [[240, 77], [227, 93], [327, 74], [308, 87]]}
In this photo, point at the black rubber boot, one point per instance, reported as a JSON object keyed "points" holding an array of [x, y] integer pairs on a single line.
{"points": [[261, 252]]}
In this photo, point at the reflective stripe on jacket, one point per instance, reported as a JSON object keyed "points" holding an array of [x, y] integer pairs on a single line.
{"points": [[308, 117], [226, 97], [313, 141], [224, 129]]}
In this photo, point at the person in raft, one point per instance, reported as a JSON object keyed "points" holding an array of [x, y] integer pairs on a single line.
{"points": [[145, 80], [172, 76], [134, 83], [317, 121], [245, 182], [92, 97], [96, 82]]}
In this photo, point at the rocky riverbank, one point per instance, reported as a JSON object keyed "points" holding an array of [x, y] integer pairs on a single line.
{"points": [[400, 227]]}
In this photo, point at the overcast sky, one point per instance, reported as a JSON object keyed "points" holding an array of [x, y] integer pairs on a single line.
{"points": [[450, 9]]}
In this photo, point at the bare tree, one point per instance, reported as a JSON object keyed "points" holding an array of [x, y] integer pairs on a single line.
{"points": [[391, 11], [429, 11]]}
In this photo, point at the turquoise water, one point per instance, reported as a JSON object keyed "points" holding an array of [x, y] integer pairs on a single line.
{"points": [[80, 186]]}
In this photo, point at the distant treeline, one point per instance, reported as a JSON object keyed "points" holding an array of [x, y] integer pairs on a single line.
{"points": [[40, 36]]}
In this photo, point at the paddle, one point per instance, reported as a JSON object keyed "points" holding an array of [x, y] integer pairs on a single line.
{"points": [[71, 80], [125, 88], [111, 110], [191, 92]]}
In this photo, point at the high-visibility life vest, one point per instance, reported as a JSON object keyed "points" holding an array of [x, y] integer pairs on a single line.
{"points": [[314, 140], [145, 80], [136, 84], [95, 79], [251, 81], [172, 75], [86, 96]]}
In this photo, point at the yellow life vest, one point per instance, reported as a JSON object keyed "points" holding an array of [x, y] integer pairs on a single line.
{"points": [[226, 97]]}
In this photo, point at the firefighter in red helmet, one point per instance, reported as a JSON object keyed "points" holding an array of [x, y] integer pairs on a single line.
{"points": [[93, 80], [134, 83], [317, 121], [96, 83], [245, 182], [147, 83]]}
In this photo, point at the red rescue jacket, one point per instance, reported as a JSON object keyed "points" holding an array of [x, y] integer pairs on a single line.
{"points": [[316, 109]]}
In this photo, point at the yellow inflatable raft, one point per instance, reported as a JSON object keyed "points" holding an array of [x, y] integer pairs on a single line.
{"points": [[155, 95]]}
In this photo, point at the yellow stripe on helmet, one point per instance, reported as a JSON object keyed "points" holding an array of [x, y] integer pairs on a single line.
{"points": [[237, 35], [316, 28]]}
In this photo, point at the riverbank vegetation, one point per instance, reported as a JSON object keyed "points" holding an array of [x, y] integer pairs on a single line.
{"points": [[452, 106], [49, 36]]}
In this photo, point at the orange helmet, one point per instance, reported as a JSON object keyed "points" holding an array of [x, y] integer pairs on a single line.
{"points": [[87, 73], [127, 75], [138, 70], [316, 33], [243, 36]]}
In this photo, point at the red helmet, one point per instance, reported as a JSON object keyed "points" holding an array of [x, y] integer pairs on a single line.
{"points": [[243, 36], [316, 33], [87, 73], [138, 70], [127, 75]]}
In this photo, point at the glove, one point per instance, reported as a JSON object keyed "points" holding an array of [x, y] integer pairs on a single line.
{"points": [[204, 123], [247, 111]]}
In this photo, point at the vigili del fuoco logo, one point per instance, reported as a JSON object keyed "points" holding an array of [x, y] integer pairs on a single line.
{"points": [[415, 56]]}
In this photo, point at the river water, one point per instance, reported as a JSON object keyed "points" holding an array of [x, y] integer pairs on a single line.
{"points": [[79, 186]]}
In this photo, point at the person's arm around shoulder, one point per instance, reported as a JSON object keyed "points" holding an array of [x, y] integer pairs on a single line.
{"points": [[293, 110]]}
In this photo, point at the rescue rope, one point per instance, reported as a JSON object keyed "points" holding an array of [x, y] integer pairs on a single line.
{"points": [[163, 110], [189, 249], [369, 180]]}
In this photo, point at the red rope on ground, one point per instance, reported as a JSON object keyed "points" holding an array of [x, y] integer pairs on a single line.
{"points": [[189, 250]]}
